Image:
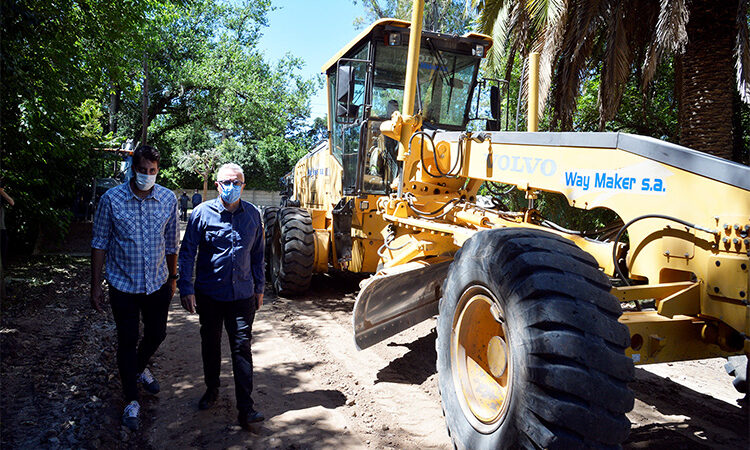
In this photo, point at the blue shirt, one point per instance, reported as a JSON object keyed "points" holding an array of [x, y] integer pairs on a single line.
{"points": [[137, 234], [230, 249]]}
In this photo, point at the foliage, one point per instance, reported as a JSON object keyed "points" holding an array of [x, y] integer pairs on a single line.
{"points": [[219, 88], [51, 60], [202, 162], [445, 16], [653, 113], [73, 76]]}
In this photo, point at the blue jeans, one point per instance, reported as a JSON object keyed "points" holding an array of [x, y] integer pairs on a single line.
{"points": [[237, 317]]}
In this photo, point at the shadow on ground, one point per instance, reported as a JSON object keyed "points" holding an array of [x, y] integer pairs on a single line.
{"points": [[702, 422], [297, 416], [415, 366]]}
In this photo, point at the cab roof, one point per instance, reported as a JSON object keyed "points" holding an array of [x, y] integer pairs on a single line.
{"points": [[396, 23]]}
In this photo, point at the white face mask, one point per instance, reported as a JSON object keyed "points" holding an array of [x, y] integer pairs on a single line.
{"points": [[144, 182]]}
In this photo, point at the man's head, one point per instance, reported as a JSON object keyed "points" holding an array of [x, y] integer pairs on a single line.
{"points": [[391, 108], [196, 191], [146, 160], [230, 180], [145, 167]]}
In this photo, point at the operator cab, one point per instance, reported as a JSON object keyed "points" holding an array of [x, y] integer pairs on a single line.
{"points": [[366, 85]]}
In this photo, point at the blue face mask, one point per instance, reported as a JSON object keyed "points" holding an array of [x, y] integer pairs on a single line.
{"points": [[230, 194]]}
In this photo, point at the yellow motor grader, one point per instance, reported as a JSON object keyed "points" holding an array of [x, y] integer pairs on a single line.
{"points": [[534, 347]]}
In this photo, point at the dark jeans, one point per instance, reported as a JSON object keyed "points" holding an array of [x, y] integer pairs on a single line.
{"points": [[183, 215], [237, 317], [133, 357]]}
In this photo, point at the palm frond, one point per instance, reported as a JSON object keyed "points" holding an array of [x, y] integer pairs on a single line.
{"points": [[742, 52], [500, 37], [489, 11], [670, 35], [545, 12], [583, 21], [549, 48], [647, 12], [617, 62]]}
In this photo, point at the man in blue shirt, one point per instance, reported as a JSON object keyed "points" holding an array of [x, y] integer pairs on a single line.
{"points": [[135, 229], [227, 235], [196, 199]]}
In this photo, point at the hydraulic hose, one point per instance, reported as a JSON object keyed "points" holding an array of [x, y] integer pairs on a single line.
{"points": [[648, 216], [440, 174]]}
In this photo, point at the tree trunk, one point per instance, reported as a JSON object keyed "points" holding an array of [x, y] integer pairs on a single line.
{"points": [[706, 81], [144, 111], [114, 107]]}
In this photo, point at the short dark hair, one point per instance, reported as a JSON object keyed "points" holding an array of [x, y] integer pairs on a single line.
{"points": [[145, 152]]}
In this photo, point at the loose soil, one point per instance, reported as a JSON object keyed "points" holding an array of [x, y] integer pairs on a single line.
{"points": [[60, 387]]}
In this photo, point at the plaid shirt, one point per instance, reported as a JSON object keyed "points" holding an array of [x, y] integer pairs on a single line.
{"points": [[137, 234]]}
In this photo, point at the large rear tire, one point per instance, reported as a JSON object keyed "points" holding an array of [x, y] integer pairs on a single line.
{"points": [[292, 252], [529, 350], [270, 218]]}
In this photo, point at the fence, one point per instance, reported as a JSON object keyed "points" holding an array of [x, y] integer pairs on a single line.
{"points": [[257, 198]]}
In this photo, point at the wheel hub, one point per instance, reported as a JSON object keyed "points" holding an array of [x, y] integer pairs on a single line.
{"points": [[481, 359], [497, 356]]}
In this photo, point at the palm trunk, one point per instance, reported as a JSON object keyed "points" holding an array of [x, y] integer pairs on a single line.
{"points": [[706, 81]]}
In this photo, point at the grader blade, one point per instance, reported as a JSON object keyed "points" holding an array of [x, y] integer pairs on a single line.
{"points": [[396, 299]]}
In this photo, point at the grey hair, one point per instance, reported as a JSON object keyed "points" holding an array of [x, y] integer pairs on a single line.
{"points": [[231, 166]]}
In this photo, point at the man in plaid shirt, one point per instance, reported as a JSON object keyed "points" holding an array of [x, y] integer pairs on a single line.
{"points": [[135, 230]]}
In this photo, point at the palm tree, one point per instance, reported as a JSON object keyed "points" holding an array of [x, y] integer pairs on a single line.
{"points": [[707, 41]]}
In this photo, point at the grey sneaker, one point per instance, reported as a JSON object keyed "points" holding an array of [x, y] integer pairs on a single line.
{"points": [[149, 382], [130, 416]]}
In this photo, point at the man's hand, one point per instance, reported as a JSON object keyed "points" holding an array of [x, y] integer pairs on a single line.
{"points": [[97, 297], [188, 302], [172, 288], [259, 298]]}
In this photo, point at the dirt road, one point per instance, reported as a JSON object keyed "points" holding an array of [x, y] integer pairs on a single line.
{"points": [[60, 387], [319, 392]]}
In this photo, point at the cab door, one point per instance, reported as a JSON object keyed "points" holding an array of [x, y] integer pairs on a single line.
{"points": [[351, 108]]}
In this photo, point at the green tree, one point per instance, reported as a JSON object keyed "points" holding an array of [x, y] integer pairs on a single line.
{"points": [[203, 162], [52, 67], [218, 89], [73, 80], [445, 16]]}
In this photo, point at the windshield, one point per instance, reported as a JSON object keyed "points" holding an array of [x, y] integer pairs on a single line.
{"points": [[444, 83]]}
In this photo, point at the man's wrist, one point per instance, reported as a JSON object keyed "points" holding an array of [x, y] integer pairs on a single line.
{"points": [[173, 277]]}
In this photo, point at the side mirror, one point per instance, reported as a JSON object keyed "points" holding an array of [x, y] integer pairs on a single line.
{"points": [[495, 102]]}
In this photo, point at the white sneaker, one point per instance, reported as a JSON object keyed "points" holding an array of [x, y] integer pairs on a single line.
{"points": [[149, 382], [130, 415]]}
